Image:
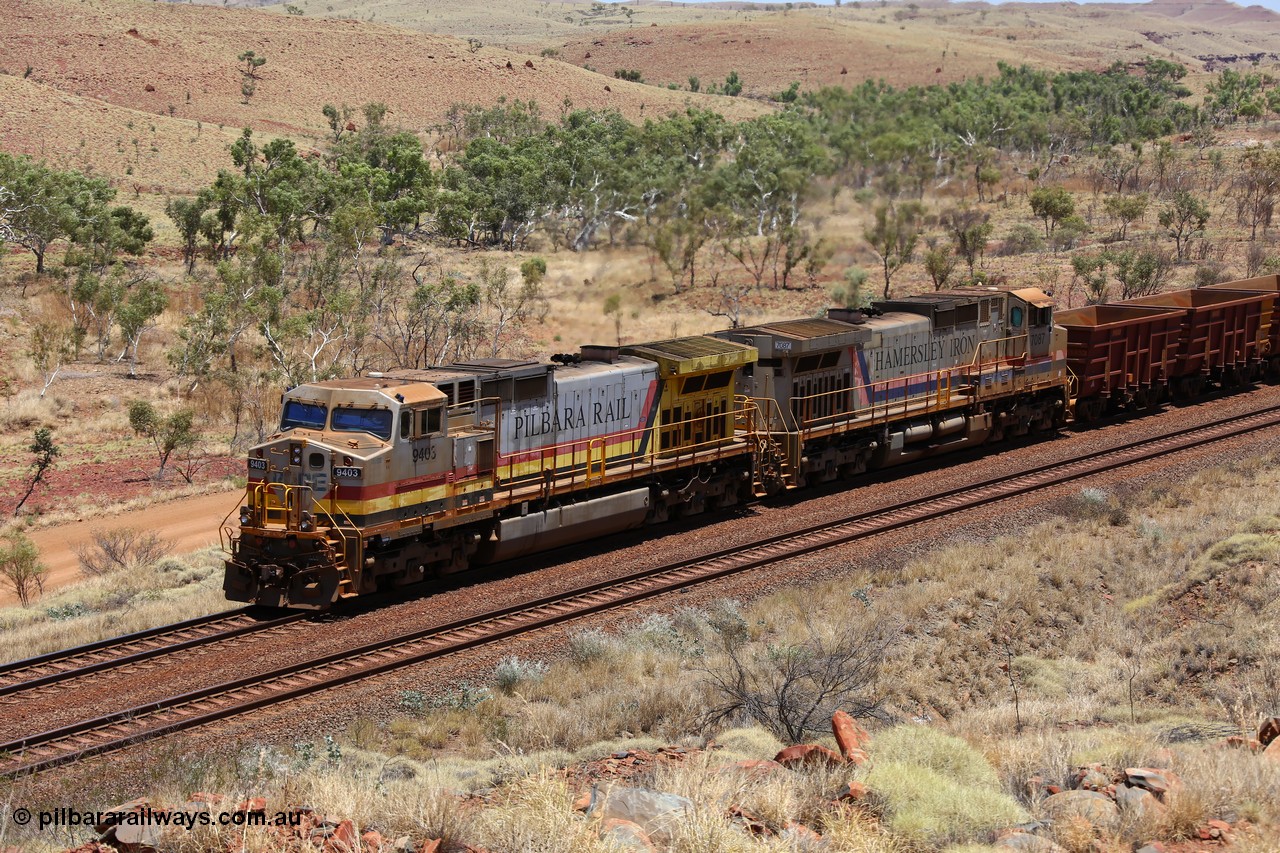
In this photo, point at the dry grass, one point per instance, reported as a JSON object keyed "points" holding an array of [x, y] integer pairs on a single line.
{"points": [[949, 783], [618, 689], [1229, 783], [771, 48], [536, 814], [1173, 601], [144, 597], [523, 24]]}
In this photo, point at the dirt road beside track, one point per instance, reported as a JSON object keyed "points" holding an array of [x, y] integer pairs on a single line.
{"points": [[187, 524]]}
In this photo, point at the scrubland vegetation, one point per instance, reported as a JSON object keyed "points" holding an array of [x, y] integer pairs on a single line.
{"points": [[128, 598], [1133, 626], [489, 233]]}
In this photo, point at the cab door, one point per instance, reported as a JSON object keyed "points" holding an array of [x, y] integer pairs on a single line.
{"points": [[1039, 330]]}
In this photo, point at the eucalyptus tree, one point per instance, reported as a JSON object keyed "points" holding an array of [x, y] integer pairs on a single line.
{"points": [[40, 206]]}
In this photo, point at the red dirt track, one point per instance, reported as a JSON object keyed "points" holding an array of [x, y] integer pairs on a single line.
{"points": [[188, 524]]}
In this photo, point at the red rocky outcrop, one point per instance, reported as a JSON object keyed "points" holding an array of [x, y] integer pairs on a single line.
{"points": [[808, 754], [1269, 730], [850, 736]]}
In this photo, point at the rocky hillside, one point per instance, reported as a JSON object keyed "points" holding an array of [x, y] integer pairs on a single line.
{"points": [[911, 789]]}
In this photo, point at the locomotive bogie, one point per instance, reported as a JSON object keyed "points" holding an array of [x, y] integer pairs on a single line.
{"points": [[392, 479]]}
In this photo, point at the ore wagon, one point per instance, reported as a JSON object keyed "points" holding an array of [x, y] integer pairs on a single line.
{"points": [[1121, 355], [1219, 340], [1269, 327]]}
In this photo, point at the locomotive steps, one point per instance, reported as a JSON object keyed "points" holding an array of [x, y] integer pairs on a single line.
{"points": [[111, 732]]}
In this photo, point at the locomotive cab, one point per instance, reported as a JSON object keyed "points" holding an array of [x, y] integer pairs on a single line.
{"points": [[297, 543]]}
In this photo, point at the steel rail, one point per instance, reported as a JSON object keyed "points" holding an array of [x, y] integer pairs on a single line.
{"points": [[114, 652], [201, 707]]}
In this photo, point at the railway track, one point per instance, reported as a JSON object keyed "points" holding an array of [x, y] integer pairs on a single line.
{"points": [[56, 667], [115, 731]]}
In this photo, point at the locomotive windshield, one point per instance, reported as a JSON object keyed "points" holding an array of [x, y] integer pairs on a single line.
{"points": [[299, 414], [373, 421]]}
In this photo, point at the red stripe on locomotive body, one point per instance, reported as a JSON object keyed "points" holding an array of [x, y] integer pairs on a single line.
{"points": [[350, 491], [582, 445]]}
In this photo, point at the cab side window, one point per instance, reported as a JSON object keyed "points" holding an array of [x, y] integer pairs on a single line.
{"points": [[405, 420], [432, 419]]}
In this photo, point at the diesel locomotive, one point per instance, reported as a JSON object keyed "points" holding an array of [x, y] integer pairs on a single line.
{"points": [[393, 478]]}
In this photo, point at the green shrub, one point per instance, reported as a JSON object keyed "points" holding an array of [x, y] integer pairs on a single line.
{"points": [[946, 755], [59, 612], [1022, 238], [1069, 232], [463, 698], [656, 631], [926, 805], [586, 647], [1095, 505], [511, 672], [413, 701]]}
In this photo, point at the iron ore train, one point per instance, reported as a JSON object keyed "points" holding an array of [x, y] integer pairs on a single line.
{"points": [[390, 479]]}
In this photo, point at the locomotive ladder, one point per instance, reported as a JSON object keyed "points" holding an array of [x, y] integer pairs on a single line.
{"points": [[767, 455], [337, 536]]}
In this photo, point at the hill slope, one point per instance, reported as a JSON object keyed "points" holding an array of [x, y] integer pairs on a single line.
{"points": [[69, 131], [175, 68], [901, 43]]}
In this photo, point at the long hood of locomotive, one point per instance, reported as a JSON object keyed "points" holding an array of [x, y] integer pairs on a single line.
{"points": [[905, 346], [902, 351], [591, 405]]}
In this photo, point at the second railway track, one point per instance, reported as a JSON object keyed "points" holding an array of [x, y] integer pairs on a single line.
{"points": [[115, 731], [56, 667]]}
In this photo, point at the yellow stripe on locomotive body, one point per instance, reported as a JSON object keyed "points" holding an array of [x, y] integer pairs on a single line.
{"points": [[386, 479]]}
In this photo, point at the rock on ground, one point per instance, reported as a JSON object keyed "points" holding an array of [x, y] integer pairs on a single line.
{"points": [[1097, 809], [655, 812]]}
